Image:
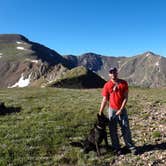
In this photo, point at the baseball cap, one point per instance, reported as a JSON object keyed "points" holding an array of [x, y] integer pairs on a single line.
{"points": [[113, 70]]}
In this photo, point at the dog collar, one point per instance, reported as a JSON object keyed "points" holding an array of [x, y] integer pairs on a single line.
{"points": [[99, 127]]}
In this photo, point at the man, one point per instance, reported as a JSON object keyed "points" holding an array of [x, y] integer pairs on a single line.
{"points": [[116, 92]]}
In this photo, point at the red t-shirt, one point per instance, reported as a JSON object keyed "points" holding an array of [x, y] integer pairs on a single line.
{"points": [[114, 92]]}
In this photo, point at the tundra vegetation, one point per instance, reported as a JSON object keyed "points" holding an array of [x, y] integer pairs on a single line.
{"points": [[45, 121]]}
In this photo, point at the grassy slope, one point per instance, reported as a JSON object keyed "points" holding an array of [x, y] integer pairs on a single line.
{"points": [[77, 78], [70, 77], [11, 53], [51, 118]]}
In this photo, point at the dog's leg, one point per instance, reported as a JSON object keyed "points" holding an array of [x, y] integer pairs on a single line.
{"points": [[97, 148], [106, 140]]}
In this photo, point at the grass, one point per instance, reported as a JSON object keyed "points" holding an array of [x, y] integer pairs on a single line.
{"points": [[11, 53], [156, 134], [50, 118], [72, 78]]}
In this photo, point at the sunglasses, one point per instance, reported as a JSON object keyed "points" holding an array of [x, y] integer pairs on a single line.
{"points": [[113, 72]]}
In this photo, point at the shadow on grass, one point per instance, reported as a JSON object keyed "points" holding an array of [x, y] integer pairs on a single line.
{"points": [[125, 150], [8, 110], [145, 148], [151, 147]]}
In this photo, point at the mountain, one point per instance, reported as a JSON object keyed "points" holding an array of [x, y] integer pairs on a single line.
{"points": [[147, 69], [97, 63], [26, 63], [17, 47], [79, 77], [23, 61]]}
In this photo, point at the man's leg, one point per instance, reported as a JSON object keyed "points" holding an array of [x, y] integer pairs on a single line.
{"points": [[113, 130], [125, 128]]}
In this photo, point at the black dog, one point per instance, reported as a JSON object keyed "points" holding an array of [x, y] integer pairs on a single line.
{"points": [[97, 135]]}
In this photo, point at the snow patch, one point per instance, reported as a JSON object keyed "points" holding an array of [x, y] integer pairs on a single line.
{"points": [[20, 48], [18, 42], [157, 63], [35, 61], [148, 54], [1, 54], [22, 82]]}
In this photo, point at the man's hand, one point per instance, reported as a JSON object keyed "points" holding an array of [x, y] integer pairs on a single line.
{"points": [[100, 113], [119, 112]]}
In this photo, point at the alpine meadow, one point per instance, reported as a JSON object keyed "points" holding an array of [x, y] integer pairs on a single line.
{"points": [[43, 122]]}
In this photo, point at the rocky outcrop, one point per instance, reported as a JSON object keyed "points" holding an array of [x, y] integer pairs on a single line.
{"points": [[79, 77]]}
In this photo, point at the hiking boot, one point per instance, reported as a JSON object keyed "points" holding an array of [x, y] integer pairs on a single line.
{"points": [[118, 152], [134, 151]]}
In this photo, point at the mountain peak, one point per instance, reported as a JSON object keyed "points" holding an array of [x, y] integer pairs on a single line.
{"points": [[149, 53], [90, 54], [12, 38]]}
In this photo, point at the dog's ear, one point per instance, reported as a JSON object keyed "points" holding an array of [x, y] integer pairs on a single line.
{"points": [[100, 117]]}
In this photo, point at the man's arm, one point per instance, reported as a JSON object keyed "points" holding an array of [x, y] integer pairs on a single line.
{"points": [[103, 104], [123, 103]]}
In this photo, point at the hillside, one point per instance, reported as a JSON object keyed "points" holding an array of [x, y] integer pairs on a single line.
{"points": [[26, 63], [79, 77], [41, 123], [22, 61], [15, 47]]}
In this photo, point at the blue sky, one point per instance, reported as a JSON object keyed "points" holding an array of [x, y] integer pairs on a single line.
{"points": [[107, 27]]}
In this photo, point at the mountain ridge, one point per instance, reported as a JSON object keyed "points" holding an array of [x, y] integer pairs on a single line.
{"points": [[138, 70], [21, 58]]}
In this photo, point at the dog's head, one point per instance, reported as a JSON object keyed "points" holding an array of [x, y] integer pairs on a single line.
{"points": [[102, 120]]}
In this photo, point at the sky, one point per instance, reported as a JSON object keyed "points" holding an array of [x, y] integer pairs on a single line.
{"points": [[106, 27]]}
